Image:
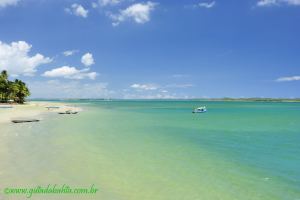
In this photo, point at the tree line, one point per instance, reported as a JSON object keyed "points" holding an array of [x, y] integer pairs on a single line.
{"points": [[12, 91]]}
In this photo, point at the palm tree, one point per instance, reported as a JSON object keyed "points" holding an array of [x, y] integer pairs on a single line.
{"points": [[16, 90], [4, 74], [3, 85], [21, 91], [12, 91]]}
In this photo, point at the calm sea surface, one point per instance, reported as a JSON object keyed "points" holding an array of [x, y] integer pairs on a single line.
{"points": [[159, 150]]}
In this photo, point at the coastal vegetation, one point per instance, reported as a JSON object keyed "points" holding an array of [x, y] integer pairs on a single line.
{"points": [[256, 99], [12, 91]]}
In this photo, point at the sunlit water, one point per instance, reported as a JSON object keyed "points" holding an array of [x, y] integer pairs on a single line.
{"points": [[159, 150]]}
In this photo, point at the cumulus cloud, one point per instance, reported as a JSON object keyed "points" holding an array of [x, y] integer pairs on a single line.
{"points": [[207, 4], [87, 59], [139, 13], [16, 60], [78, 10], [70, 73], [69, 52], [264, 3], [288, 78], [144, 86], [4, 3], [69, 89]]}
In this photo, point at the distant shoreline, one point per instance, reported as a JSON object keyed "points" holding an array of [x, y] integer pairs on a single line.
{"points": [[192, 99], [256, 99]]}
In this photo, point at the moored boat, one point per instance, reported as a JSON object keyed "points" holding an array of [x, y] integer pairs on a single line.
{"points": [[200, 110]]}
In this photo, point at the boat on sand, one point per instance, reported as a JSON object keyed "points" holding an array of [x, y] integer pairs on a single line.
{"points": [[24, 120], [68, 112]]}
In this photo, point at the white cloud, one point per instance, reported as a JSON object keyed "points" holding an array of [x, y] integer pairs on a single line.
{"points": [[187, 85], [139, 12], [151, 86], [15, 59], [103, 3], [288, 78], [207, 4], [151, 96], [144, 86], [264, 3], [69, 89], [69, 52], [108, 2], [78, 10], [87, 59], [293, 2], [70, 73], [154, 91], [94, 5], [4, 3]]}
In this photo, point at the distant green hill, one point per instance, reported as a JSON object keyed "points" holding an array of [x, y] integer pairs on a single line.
{"points": [[257, 99]]}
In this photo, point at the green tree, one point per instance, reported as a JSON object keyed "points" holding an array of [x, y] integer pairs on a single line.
{"points": [[3, 85], [10, 90], [21, 91]]}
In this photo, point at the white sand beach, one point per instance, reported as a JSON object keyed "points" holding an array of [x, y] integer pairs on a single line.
{"points": [[32, 110]]}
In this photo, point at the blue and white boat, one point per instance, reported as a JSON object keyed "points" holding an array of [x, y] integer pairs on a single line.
{"points": [[200, 110]]}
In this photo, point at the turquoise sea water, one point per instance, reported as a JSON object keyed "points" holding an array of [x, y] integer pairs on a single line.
{"points": [[159, 150]]}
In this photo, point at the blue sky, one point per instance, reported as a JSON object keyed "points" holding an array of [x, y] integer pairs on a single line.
{"points": [[152, 49]]}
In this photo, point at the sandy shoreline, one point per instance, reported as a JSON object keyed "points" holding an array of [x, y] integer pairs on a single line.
{"points": [[32, 110]]}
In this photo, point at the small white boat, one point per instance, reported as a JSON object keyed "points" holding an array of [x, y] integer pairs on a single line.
{"points": [[200, 110], [52, 107]]}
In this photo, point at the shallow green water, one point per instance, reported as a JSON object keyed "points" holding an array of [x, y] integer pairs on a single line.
{"points": [[159, 150]]}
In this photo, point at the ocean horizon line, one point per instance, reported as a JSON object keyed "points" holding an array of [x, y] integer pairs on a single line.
{"points": [[172, 99]]}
